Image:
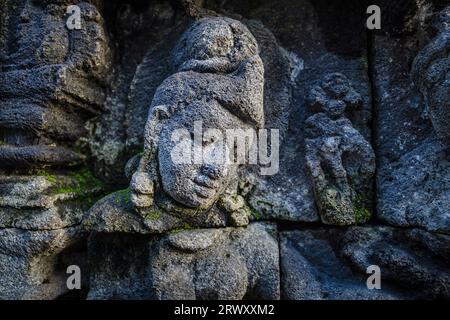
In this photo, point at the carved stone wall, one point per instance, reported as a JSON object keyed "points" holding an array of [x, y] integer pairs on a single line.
{"points": [[356, 121]]}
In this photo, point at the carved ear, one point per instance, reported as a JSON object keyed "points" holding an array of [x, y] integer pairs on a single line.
{"points": [[161, 112]]}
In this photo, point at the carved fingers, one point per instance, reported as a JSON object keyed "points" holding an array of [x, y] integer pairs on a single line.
{"points": [[141, 190]]}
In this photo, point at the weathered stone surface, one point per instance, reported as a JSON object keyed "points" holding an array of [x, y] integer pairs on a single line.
{"points": [[311, 268], [431, 72], [29, 262], [332, 263], [272, 196], [52, 80], [416, 191], [46, 201], [414, 259], [413, 167], [229, 263]]}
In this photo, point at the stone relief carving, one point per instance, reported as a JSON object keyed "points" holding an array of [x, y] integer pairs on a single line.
{"points": [[52, 81], [188, 230], [219, 81], [340, 161], [420, 157], [431, 73], [221, 263]]}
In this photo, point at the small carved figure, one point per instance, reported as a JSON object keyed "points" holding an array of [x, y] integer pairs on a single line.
{"points": [[340, 161]]}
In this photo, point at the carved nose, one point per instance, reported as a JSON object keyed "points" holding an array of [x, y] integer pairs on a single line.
{"points": [[214, 171]]}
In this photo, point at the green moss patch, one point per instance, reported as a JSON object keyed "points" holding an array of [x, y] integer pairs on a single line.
{"points": [[185, 227], [152, 215], [43, 173], [82, 183], [362, 213], [123, 196]]}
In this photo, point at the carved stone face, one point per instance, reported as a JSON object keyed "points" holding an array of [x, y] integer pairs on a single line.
{"points": [[336, 85], [210, 89], [334, 96], [198, 184]]}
